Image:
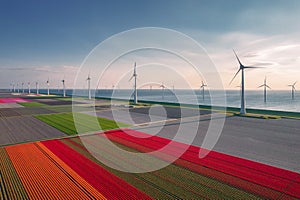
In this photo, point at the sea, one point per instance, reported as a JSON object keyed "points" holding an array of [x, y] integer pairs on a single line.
{"points": [[280, 100]]}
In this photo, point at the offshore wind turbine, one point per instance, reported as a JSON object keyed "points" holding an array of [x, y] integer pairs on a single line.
{"points": [[37, 87], [64, 87], [29, 88], [135, 100], [241, 68], [163, 90], [89, 86], [22, 87], [265, 89], [293, 89], [48, 89], [18, 87], [203, 85], [14, 87]]}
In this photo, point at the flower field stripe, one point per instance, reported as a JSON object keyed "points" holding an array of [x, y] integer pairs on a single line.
{"points": [[93, 193], [171, 180], [226, 178], [13, 100], [244, 173], [11, 186], [41, 178], [285, 174], [240, 171], [105, 182], [134, 179]]}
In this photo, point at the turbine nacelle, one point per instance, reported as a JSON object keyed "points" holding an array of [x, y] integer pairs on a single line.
{"points": [[293, 86], [203, 85]]}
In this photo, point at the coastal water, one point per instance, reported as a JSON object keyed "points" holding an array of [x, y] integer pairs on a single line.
{"points": [[276, 99]]}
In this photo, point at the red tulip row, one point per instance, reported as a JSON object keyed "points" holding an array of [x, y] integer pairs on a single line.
{"points": [[105, 182], [171, 181], [258, 178]]}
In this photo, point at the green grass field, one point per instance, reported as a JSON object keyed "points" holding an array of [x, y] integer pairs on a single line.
{"points": [[31, 104], [85, 123]]}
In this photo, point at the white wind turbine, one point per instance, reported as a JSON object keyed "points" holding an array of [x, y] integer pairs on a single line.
{"points": [[89, 86], [241, 68], [14, 87], [37, 87], [22, 87], [48, 84], [203, 85], [29, 88], [135, 100], [265, 89], [18, 87], [293, 89], [163, 90], [64, 87]]}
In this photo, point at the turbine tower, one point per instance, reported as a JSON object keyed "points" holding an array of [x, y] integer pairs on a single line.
{"points": [[135, 100], [203, 86], [37, 87], [163, 90], [89, 86], [241, 68], [64, 87], [293, 89], [265, 89], [28, 87], [14, 87], [48, 90], [22, 87]]}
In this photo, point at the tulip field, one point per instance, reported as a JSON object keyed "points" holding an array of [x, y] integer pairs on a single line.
{"points": [[43, 157], [64, 169]]}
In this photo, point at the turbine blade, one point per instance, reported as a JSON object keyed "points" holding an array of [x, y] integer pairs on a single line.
{"points": [[268, 87], [245, 67], [130, 78], [234, 76], [237, 58], [295, 83], [260, 86]]}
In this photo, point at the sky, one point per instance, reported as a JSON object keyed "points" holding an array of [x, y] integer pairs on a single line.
{"points": [[43, 38]]}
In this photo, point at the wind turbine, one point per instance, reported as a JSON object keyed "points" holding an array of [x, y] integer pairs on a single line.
{"points": [[265, 89], [64, 87], [48, 90], [89, 86], [18, 87], [28, 87], [22, 87], [163, 90], [241, 68], [203, 85], [14, 87], [293, 89], [135, 100], [37, 87]]}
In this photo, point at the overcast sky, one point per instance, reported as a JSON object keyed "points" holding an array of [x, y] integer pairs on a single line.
{"points": [[41, 39]]}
